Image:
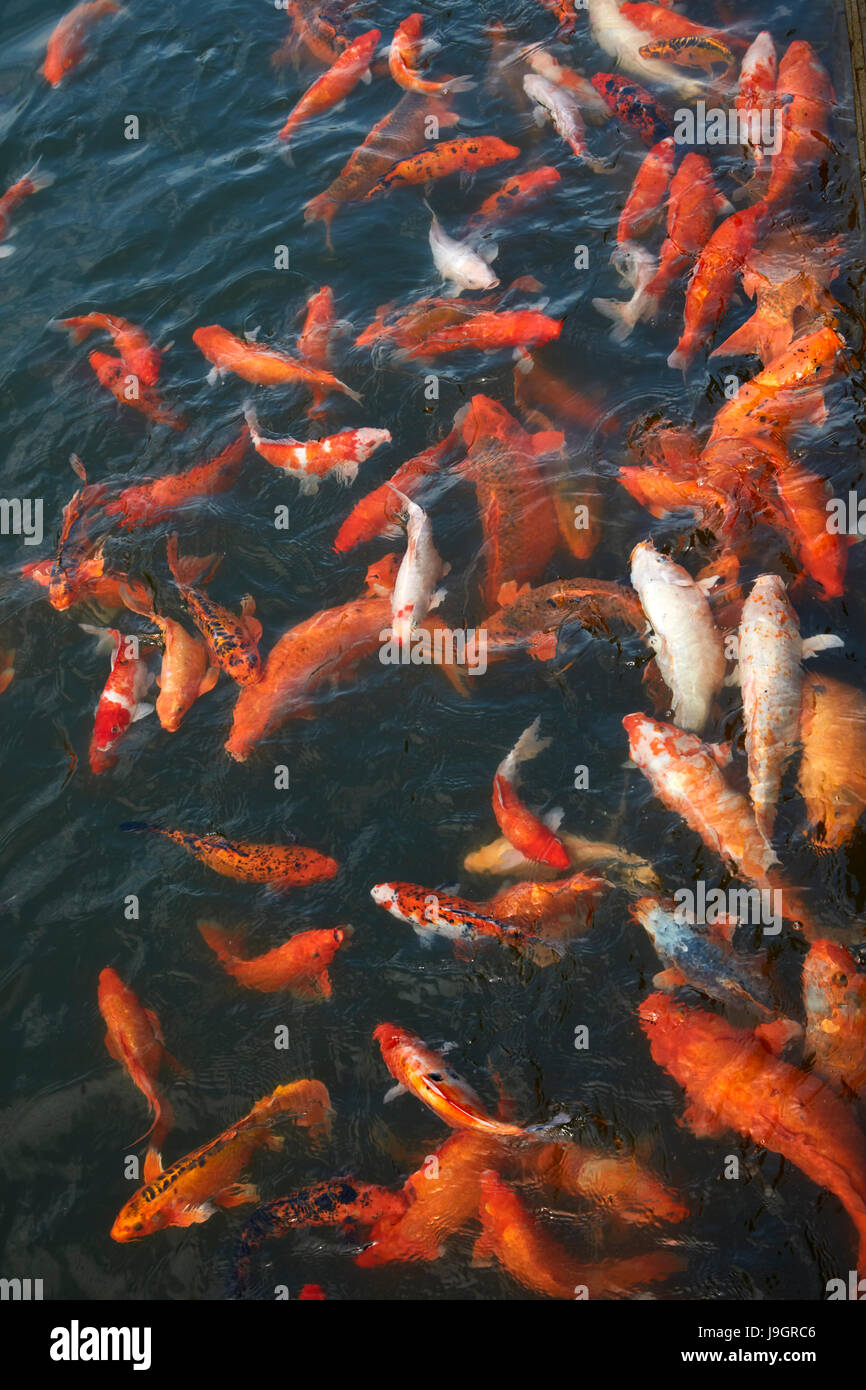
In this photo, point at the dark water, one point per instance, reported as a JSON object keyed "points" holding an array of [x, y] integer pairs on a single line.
{"points": [[393, 777]]}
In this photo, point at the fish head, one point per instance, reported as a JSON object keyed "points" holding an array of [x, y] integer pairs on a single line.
{"points": [[828, 972], [139, 1218], [382, 575]]}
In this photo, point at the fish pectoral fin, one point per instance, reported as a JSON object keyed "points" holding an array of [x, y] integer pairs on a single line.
{"points": [[141, 711], [237, 1194], [669, 980], [193, 1216], [395, 1092], [155, 1024], [702, 1122], [114, 1050], [209, 680], [820, 643]]}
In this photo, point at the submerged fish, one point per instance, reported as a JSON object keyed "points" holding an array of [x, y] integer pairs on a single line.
{"points": [[299, 966], [283, 867]]}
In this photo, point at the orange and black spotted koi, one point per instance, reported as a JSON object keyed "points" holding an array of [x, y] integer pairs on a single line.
{"points": [[692, 51], [282, 866], [634, 106], [233, 642], [448, 157], [335, 1202]]}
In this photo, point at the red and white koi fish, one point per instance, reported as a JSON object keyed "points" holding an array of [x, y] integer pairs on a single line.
{"points": [[756, 93], [688, 646], [377, 513], [122, 700], [464, 923], [415, 593], [770, 652], [518, 824], [340, 455]]}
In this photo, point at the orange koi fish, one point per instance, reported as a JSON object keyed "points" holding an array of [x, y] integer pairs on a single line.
{"points": [[515, 195], [832, 773], [536, 389], [117, 377], [232, 642], [406, 328], [733, 1081], [314, 342], [805, 98], [122, 702], [190, 1190], [821, 554], [448, 157], [521, 828], [694, 204], [530, 619], [684, 774], [439, 1200], [511, 1235], [7, 668], [520, 530], [377, 514], [334, 1202], [648, 194], [403, 58], [489, 332], [261, 365], [560, 910], [134, 1039], [145, 504], [712, 55], [785, 393], [283, 867], [31, 182], [465, 923], [338, 455], [635, 874], [352, 67], [660, 21], [137, 352], [623, 1186], [418, 1069], [401, 132], [714, 279], [299, 966], [187, 671], [834, 997], [66, 47], [321, 650], [664, 496], [311, 31]]}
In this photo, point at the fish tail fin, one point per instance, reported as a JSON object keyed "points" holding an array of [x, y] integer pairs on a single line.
{"points": [[76, 328], [528, 746], [106, 637], [223, 943], [252, 420], [38, 178], [743, 340], [348, 391], [622, 314], [163, 1121], [171, 554], [463, 83]]}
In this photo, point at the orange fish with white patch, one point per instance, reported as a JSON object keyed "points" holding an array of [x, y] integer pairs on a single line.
{"points": [[299, 966], [122, 702], [378, 513], [134, 1039], [520, 826], [338, 455]]}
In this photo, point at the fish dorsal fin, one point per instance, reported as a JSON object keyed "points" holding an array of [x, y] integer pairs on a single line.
{"points": [[152, 1165]]}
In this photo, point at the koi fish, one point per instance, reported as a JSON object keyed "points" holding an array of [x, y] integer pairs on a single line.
{"points": [[76, 564], [733, 1081], [692, 955], [515, 195], [312, 31], [30, 183], [710, 54], [563, 109], [834, 997], [714, 279], [134, 1039], [418, 1069], [447, 157], [511, 1235], [537, 389], [531, 619], [409, 327], [232, 642], [261, 365], [323, 649], [634, 106], [377, 513], [115, 375], [770, 652], [684, 774], [66, 46], [638, 267], [137, 352], [618, 34], [519, 825], [458, 262], [122, 700], [564, 12], [401, 132], [664, 23], [403, 58], [688, 645], [187, 671], [342, 77], [520, 530], [648, 194], [664, 496], [756, 91], [805, 98], [334, 1202], [145, 504], [593, 108], [439, 1200], [283, 867], [314, 342], [625, 1188], [465, 923], [415, 593], [562, 909], [785, 393], [299, 966], [489, 332], [832, 773], [499, 857], [822, 554], [190, 1190], [694, 204], [337, 455]]}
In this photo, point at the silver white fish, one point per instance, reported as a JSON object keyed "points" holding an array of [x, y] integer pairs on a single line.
{"points": [[421, 568], [563, 108], [637, 266], [459, 262]]}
